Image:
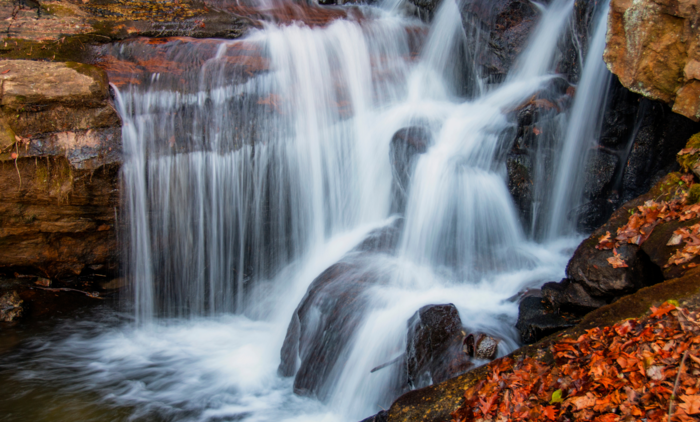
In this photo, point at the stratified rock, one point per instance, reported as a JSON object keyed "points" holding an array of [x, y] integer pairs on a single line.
{"points": [[536, 321], [434, 345], [59, 176], [10, 307], [654, 48]]}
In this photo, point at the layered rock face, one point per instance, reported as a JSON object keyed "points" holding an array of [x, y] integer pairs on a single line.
{"points": [[653, 46], [60, 151]]}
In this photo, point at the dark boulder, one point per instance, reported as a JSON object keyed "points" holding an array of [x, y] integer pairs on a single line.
{"points": [[434, 346], [379, 417], [423, 9], [382, 240], [570, 297], [321, 328], [504, 26], [520, 184], [536, 320], [406, 145]]}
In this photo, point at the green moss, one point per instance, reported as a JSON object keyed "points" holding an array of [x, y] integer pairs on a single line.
{"points": [[73, 48], [42, 174], [688, 160], [694, 194], [97, 74], [56, 10]]}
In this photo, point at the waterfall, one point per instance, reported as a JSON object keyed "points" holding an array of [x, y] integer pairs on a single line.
{"points": [[263, 162], [582, 132]]}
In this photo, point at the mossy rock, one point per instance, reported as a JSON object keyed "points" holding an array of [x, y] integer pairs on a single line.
{"points": [[7, 136], [689, 161]]}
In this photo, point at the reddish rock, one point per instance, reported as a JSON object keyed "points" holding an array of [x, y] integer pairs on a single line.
{"points": [[654, 48]]}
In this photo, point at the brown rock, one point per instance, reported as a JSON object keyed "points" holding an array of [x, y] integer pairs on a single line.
{"points": [[28, 83], [10, 307], [434, 345], [653, 46], [59, 181]]}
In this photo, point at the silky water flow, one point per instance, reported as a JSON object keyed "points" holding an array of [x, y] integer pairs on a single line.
{"points": [[239, 190]]}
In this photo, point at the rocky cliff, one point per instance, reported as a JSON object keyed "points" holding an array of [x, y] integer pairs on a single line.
{"points": [[60, 150], [653, 46]]}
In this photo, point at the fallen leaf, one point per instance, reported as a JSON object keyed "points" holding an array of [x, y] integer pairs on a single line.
{"points": [[616, 260], [691, 404]]}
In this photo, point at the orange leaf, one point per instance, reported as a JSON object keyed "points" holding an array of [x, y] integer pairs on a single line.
{"points": [[550, 412], [616, 261], [691, 404]]}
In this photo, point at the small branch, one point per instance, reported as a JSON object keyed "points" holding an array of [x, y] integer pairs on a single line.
{"points": [[17, 167], [675, 386], [93, 295]]}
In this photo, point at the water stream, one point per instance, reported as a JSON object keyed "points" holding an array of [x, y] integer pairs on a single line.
{"points": [[239, 190]]}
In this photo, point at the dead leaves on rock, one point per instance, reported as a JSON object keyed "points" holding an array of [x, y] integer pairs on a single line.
{"points": [[622, 373], [645, 218]]}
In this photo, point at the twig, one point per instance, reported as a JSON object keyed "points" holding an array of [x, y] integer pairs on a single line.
{"points": [[17, 167], [93, 295], [675, 386]]}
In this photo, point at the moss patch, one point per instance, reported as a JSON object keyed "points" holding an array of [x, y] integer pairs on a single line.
{"points": [[688, 160]]}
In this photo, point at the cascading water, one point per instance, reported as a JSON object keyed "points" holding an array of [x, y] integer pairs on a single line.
{"points": [[240, 189]]}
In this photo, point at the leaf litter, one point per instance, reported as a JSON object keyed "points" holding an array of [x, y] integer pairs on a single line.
{"points": [[628, 372], [646, 217]]}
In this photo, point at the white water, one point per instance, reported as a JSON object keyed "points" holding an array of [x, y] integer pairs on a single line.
{"points": [[581, 134], [226, 235]]}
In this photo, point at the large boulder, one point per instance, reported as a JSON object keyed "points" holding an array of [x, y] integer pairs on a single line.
{"points": [[60, 153], [654, 48], [320, 330], [434, 346]]}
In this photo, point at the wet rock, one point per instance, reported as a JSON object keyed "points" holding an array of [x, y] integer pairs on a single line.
{"points": [[320, 328], [658, 138], [481, 346], [570, 297], [434, 345], [590, 268], [654, 49], [379, 417], [536, 320], [423, 9], [520, 184], [646, 265], [601, 169], [406, 145], [382, 240], [10, 307], [504, 27]]}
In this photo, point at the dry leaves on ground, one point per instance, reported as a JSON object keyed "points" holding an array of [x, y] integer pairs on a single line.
{"points": [[645, 218], [621, 373]]}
